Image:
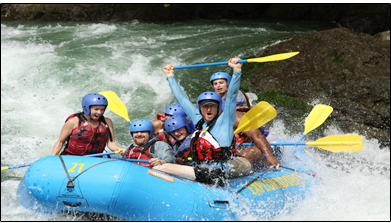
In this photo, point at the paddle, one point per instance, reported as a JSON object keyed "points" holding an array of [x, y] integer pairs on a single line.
{"points": [[134, 160], [257, 116], [335, 143], [316, 117], [276, 57], [29, 164], [116, 105]]}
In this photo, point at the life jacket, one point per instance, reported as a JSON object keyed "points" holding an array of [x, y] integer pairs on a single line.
{"points": [[242, 138], [162, 135], [204, 147], [182, 150], [243, 109], [87, 139], [142, 152], [160, 116], [165, 137], [248, 102]]}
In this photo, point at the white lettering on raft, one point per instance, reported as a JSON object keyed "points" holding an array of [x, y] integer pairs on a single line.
{"points": [[276, 183]]}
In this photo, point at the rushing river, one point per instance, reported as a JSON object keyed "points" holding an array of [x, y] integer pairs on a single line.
{"points": [[46, 69]]}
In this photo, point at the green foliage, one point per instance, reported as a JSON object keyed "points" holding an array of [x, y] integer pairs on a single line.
{"points": [[276, 96], [279, 98], [250, 71], [337, 57], [308, 38]]}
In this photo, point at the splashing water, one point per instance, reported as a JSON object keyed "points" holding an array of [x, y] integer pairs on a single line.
{"points": [[46, 69]]}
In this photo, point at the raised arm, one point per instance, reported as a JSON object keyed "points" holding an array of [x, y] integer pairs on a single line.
{"points": [[180, 95]]}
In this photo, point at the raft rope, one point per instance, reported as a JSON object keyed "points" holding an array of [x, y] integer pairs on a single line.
{"points": [[311, 174], [71, 183], [249, 183]]}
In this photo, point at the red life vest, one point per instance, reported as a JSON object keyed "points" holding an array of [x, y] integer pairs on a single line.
{"points": [[86, 139], [203, 147], [142, 152], [165, 137], [161, 116]]}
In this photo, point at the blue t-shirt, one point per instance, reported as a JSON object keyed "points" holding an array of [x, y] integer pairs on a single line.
{"points": [[222, 130]]}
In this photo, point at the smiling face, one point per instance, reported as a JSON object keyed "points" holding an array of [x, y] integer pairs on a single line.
{"points": [[209, 111], [141, 137], [180, 134], [96, 111], [220, 86]]}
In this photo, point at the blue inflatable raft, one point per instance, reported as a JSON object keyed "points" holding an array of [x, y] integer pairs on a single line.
{"points": [[132, 192]]}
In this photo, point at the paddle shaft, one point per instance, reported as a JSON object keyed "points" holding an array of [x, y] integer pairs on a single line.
{"points": [[29, 164], [275, 57], [276, 144], [206, 65], [134, 160], [335, 143]]}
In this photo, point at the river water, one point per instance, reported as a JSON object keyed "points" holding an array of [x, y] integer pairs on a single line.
{"points": [[46, 69]]}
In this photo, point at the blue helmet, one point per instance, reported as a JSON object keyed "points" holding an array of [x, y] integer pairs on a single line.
{"points": [[220, 75], [175, 109], [92, 99], [141, 126], [210, 96], [176, 122]]}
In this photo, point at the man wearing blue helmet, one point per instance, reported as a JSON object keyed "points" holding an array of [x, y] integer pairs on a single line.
{"points": [[146, 146], [211, 146], [87, 132], [220, 82]]}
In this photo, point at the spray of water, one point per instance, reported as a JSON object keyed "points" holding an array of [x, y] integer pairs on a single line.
{"points": [[46, 69]]}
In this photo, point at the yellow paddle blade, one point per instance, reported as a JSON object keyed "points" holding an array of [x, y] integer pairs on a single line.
{"points": [[259, 115], [316, 117], [276, 57], [115, 104], [339, 143], [4, 168]]}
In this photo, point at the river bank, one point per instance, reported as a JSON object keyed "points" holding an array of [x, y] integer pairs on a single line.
{"points": [[347, 70], [366, 18]]}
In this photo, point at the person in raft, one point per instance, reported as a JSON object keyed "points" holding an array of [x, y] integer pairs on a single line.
{"points": [[87, 132], [220, 82], [262, 152], [181, 129], [161, 134], [146, 146], [211, 147]]}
